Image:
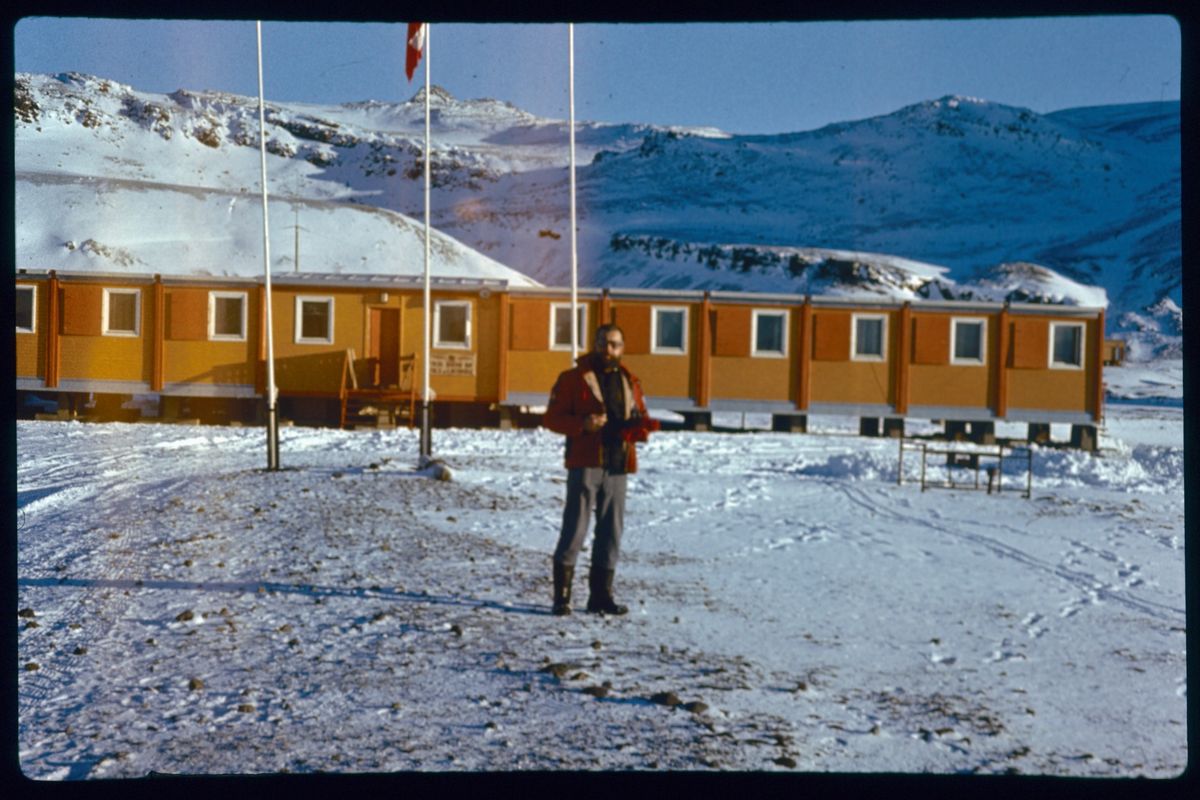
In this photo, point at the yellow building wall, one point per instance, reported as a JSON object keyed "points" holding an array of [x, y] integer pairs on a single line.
{"points": [[31, 347], [744, 376], [215, 362], [315, 367], [412, 316], [963, 385], [536, 370], [318, 367], [485, 324], [967, 386], [533, 371], [751, 378], [112, 358], [1051, 390], [486, 341], [102, 358], [857, 382], [1057, 389], [662, 375], [206, 362], [669, 374]]}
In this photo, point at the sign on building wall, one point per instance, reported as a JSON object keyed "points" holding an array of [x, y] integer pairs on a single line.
{"points": [[461, 364]]}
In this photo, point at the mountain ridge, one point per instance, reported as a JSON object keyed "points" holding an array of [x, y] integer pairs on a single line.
{"points": [[957, 190]]}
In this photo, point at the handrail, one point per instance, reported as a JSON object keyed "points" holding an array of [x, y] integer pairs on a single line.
{"points": [[343, 392], [348, 370], [406, 387]]}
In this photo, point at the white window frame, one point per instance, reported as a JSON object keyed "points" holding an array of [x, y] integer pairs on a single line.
{"points": [[33, 309], [654, 346], [137, 312], [582, 333], [301, 299], [757, 314], [437, 319], [1054, 326], [213, 296], [883, 337], [970, 362]]}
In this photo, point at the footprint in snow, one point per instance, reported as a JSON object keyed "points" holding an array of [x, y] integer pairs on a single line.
{"points": [[1129, 574], [1071, 609], [816, 535], [1005, 651]]}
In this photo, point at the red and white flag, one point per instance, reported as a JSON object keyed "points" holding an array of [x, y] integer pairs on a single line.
{"points": [[416, 47]]}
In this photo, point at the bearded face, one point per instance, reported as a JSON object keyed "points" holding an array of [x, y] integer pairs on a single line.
{"points": [[611, 347]]}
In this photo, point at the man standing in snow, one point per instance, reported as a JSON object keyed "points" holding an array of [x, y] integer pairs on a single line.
{"points": [[599, 407]]}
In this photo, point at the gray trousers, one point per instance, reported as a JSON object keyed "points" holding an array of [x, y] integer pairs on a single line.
{"points": [[591, 488]]}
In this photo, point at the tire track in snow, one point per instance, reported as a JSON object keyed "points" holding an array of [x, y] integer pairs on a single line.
{"points": [[1088, 583], [94, 608]]}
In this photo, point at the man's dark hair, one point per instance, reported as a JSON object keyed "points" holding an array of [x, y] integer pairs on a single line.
{"points": [[602, 334]]}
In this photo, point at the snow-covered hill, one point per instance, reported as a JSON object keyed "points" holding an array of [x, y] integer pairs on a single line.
{"points": [[118, 225], [112, 180], [955, 197]]}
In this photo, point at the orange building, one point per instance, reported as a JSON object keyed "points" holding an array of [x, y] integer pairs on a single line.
{"points": [[200, 345]]}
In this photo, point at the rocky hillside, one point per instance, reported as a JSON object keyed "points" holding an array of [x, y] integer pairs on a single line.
{"points": [[954, 197]]}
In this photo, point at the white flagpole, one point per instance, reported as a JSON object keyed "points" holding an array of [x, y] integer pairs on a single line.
{"points": [[426, 433], [272, 410], [574, 243]]}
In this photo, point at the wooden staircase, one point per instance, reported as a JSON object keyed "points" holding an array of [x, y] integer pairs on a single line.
{"points": [[366, 403]]}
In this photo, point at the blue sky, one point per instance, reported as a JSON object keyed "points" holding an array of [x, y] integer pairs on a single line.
{"points": [[740, 77]]}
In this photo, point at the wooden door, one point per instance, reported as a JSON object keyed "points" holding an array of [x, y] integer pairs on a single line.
{"points": [[385, 344]]}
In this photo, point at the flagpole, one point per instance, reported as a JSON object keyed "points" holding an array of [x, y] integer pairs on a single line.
{"points": [[272, 410], [574, 243], [426, 447]]}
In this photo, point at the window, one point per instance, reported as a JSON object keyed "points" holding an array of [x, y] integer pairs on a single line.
{"points": [[1066, 344], [668, 330], [25, 313], [314, 320], [227, 316], [560, 326], [770, 333], [867, 337], [968, 338], [121, 312], [452, 325]]}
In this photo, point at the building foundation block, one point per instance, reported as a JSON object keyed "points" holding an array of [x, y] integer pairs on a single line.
{"points": [[1039, 432], [956, 430], [789, 423], [1085, 437], [983, 432]]}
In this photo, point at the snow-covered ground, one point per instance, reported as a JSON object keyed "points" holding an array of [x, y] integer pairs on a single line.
{"points": [[182, 610], [1159, 381]]}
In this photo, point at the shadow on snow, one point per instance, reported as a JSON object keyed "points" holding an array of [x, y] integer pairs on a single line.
{"points": [[269, 587]]}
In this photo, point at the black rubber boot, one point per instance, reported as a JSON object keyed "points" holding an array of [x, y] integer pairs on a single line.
{"points": [[601, 599], [563, 575]]}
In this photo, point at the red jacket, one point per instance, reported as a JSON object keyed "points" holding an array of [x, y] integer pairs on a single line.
{"points": [[575, 395]]}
